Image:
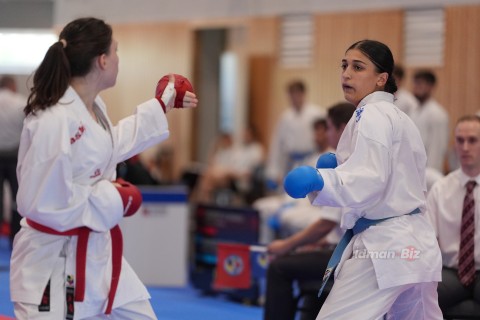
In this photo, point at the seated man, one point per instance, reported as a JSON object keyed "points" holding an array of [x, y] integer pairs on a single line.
{"points": [[230, 166], [323, 234], [453, 207], [273, 208]]}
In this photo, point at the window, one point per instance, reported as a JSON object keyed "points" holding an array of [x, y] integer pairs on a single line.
{"points": [[22, 50], [424, 37]]}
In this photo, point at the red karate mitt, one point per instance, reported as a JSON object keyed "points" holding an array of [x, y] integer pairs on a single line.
{"points": [[181, 85], [131, 196]]}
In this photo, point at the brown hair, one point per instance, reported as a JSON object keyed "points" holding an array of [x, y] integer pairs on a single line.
{"points": [[468, 117], [425, 75], [7, 82], [296, 85], [79, 43], [340, 113]]}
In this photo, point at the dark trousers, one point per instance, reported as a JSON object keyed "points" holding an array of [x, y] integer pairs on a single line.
{"points": [[451, 291], [8, 167], [280, 302]]}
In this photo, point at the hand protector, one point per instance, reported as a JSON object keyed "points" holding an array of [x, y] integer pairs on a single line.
{"points": [[171, 90], [327, 161], [301, 181], [131, 197]]}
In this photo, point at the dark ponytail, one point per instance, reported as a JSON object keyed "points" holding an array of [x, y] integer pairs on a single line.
{"points": [[391, 85], [381, 57], [80, 42], [50, 81]]}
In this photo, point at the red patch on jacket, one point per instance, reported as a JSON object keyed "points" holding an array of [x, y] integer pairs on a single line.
{"points": [[78, 134], [96, 173]]}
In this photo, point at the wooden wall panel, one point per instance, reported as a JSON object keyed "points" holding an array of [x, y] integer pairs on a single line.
{"points": [[336, 32], [260, 78], [262, 36], [458, 88], [147, 52]]}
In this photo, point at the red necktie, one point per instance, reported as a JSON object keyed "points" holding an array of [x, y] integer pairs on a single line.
{"points": [[466, 259]]}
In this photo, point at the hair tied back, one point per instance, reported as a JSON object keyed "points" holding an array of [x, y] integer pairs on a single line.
{"points": [[63, 42]]}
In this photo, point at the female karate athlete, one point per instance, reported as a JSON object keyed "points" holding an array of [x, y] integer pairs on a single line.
{"points": [[67, 259], [392, 264]]}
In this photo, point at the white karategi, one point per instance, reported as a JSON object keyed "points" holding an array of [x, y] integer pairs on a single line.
{"points": [[248, 157], [405, 101], [293, 140], [66, 164], [381, 174], [432, 122]]}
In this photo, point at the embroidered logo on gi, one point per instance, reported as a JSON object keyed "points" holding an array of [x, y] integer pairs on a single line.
{"points": [[70, 280], [233, 265], [327, 274], [78, 135], [96, 173], [70, 298], [44, 305], [358, 114]]}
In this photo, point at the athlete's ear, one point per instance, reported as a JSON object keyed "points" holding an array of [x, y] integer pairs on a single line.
{"points": [[382, 79], [101, 61]]}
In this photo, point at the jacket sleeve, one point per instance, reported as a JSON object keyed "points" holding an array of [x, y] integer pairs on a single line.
{"points": [[135, 133], [360, 181], [47, 191]]}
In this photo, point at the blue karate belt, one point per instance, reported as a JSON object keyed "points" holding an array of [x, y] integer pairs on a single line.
{"points": [[361, 225]]}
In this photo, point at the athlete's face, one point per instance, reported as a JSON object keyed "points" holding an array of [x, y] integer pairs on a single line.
{"points": [[467, 144], [360, 77]]}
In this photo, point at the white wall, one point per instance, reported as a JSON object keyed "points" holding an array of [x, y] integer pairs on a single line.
{"points": [[125, 11]]}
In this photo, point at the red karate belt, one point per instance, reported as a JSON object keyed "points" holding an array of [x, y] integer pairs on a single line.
{"points": [[81, 263]]}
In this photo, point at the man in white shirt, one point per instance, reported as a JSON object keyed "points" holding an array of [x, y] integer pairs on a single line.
{"points": [[431, 119], [11, 123], [292, 140], [404, 99], [448, 208]]}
